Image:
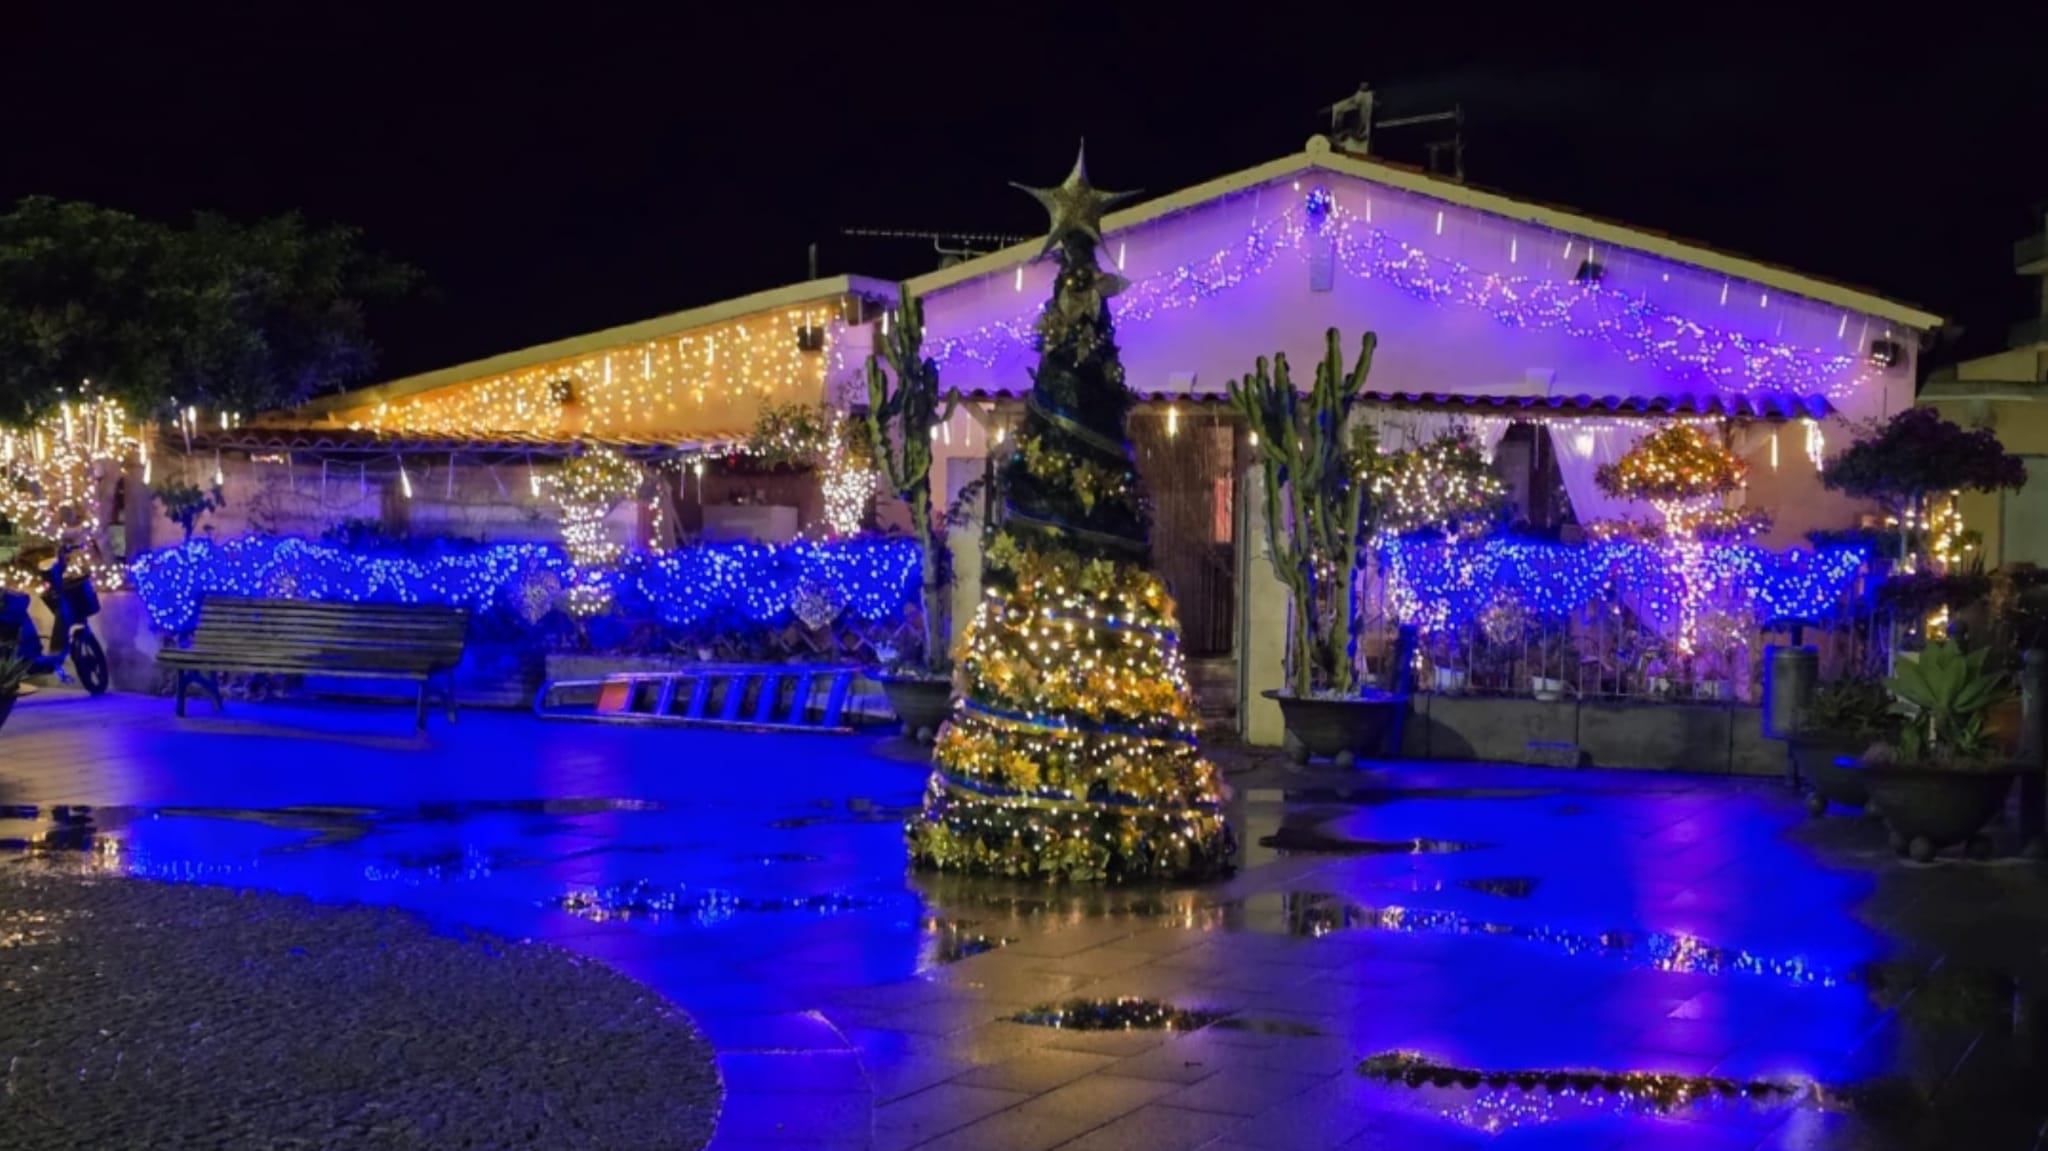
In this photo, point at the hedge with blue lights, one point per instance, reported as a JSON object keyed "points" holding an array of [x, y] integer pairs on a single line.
{"points": [[736, 587], [1454, 582]]}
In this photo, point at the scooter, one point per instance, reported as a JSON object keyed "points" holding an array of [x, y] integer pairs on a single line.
{"points": [[72, 601]]}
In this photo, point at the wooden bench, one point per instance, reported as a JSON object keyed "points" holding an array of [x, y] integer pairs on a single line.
{"points": [[302, 637]]}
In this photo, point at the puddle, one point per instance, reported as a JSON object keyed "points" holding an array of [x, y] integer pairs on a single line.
{"points": [[1286, 1027], [775, 857], [952, 940], [1116, 1015], [1515, 888], [1495, 1100], [1380, 796], [1313, 914], [650, 901], [1303, 832], [851, 811], [983, 900]]}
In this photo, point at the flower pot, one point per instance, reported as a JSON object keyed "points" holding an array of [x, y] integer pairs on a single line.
{"points": [[1450, 680], [1710, 689], [1546, 689], [1830, 765], [1927, 810], [1341, 729], [1660, 686], [922, 704]]}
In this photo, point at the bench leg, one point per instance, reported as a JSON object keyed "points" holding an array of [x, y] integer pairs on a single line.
{"points": [[184, 681], [213, 686], [448, 695], [420, 714]]}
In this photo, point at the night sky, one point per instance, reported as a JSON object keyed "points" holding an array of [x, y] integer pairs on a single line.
{"points": [[593, 166]]}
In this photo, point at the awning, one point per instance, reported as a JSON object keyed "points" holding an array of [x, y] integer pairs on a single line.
{"points": [[1763, 409]]}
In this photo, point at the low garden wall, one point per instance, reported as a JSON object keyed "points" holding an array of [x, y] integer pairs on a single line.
{"points": [[1709, 738]]}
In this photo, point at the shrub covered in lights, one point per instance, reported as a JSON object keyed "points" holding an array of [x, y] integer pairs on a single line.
{"points": [[587, 487], [1072, 754], [740, 592], [1445, 486], [1677, 469]]}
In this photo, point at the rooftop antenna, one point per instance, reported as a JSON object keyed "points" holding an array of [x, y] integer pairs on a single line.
{"points": [[952, 247], [1353, 120]]}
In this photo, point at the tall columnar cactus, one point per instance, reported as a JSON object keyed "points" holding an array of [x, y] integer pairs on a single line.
{"points": [[901, 415], [1317, 506]]}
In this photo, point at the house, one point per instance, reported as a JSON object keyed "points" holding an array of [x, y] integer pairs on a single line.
{"points": [[2007, 392], [461, 451], [1554, 337]]}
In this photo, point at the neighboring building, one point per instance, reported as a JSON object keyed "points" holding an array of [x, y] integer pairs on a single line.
{"points": [[2008, 392], [1557, 337], [459, 451]]}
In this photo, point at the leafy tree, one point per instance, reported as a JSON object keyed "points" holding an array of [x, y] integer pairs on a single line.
{"points": [[227, 316]]}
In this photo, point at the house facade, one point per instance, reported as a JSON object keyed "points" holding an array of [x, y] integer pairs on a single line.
{"points": [[1555, 339]]}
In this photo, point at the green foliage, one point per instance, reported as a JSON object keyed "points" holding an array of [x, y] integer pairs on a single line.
{"points": [[901, 415], [1953, 693], [232, 317], [788, 436], [1917, 454], [184, 503], [1318, 510], [1855, 709]]}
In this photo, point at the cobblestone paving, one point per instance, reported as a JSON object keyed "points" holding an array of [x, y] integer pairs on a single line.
{"points": [[144, 1015]]}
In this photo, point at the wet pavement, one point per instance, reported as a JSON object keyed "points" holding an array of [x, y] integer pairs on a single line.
{"points": [[1412, 956]]}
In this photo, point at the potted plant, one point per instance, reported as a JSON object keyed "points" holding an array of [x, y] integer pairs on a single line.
{"points": [[904, 406], [1318, 517], [13, 672], [1844, 719], [183, 503], [1944, 778]]}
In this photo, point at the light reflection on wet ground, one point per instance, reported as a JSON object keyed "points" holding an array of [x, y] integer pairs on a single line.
{"points": [[1543, 921]]}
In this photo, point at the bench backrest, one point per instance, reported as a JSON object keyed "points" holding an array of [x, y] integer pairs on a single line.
{"points": [[429, 633]]}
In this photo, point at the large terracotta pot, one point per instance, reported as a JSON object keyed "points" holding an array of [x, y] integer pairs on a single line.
{"points": [[922, 704], [1927, 810], [1829, 763], [1344, 730]]}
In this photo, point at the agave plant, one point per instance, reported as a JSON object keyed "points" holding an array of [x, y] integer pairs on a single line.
{"points": [[13, 670], [1952, 695]]}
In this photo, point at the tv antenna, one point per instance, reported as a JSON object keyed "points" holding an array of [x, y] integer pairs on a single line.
{"points": [[1353, 121], [952, 247]]}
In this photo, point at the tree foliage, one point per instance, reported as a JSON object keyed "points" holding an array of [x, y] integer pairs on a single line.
{"points": [[1917, 454], [232, 317]]}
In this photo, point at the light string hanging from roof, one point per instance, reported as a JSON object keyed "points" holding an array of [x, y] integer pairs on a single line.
{"points": [[1694, 354]]}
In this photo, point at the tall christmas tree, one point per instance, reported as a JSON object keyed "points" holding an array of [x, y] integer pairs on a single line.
{"points": [[1073, 754]]}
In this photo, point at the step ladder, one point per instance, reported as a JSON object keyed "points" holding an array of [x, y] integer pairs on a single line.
{"points": [[746, 696]]}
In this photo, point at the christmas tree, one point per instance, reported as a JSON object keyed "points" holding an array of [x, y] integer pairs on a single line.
{"points": [[1073, 753]]}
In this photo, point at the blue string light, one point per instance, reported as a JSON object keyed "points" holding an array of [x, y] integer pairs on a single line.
{"points": [[1450, 584], [748, 585], [1693, 355]]}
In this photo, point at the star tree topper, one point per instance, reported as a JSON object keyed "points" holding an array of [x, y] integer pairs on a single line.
{"points": [[1076, 206]]}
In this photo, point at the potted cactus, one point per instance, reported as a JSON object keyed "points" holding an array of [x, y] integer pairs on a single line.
{"points": [[1944, 777], [904, 406], [1319, 518], [1844, 719]]}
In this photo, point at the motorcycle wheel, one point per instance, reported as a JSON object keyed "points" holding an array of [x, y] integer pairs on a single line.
{"points": [[89, 660]]}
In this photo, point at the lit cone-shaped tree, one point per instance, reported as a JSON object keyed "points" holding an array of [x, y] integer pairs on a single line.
{"points": [[1073, 753]]}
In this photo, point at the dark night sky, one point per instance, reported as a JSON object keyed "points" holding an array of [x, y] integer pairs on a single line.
{"points": [[596, 166]]}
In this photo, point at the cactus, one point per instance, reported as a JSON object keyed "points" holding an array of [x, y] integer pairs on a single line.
{"points": [[912, 405], [1317, 507]]}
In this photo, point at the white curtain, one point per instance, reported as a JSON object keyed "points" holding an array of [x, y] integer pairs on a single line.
{"points": [[1402, 430], [1581, 450]]}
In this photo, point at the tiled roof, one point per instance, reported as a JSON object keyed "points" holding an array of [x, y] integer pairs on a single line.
{"points": [[1764, 408]]}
